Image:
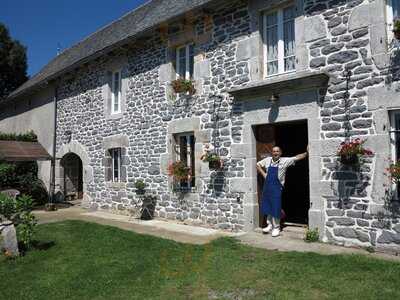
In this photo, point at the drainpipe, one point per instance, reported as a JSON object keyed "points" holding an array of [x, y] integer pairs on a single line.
{"points": [[51, 206]]}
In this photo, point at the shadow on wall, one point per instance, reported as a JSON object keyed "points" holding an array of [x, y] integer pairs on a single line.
{"points": [[350, 183]]}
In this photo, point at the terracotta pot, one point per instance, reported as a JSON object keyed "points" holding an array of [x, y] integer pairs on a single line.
{"points": [[351, 159]]}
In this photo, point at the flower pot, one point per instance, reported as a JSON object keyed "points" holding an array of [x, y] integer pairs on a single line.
{"points": [[351, 159], [214, 165]]}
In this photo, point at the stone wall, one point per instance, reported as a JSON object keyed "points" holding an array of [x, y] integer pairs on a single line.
{"points": [[344, 37]]}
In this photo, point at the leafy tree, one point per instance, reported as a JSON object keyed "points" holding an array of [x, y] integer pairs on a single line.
{"points": [[13, 64]]}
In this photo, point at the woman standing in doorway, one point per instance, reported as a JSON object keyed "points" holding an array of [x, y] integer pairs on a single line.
{"points": [[273, 169]]}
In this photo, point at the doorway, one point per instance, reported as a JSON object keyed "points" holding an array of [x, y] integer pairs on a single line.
{"points": [[73, 177], [292, 137]]}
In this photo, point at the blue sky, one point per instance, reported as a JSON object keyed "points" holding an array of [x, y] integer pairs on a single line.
{"points": [[42, 25]]}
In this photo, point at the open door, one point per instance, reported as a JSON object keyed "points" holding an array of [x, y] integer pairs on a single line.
{"points": [[292, 137]]}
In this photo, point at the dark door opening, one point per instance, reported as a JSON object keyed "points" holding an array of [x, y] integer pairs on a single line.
{"points": [[73, 176], [292, 137]]}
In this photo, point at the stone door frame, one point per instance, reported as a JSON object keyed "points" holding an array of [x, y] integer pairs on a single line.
{"points": [[296, 106], [87, 171]]}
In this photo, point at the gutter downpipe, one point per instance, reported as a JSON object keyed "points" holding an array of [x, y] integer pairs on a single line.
{"points": [[51, 206]]}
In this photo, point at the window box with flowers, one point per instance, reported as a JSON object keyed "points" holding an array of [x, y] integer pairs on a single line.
{"points": [[181, 175], [351, 151], [183, 86]]}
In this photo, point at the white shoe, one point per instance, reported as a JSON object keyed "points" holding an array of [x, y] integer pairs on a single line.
{"points": [[267, 229], [275, 232]]}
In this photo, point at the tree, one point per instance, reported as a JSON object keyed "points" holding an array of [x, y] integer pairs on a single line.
{"points": [[13, 64]]}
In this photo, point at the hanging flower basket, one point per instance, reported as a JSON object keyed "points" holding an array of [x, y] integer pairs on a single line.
{"points": [[396, 29], [351, 159], [350, 151], [213, 159], [183, 86]]}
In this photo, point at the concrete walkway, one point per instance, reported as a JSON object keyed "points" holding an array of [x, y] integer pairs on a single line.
{"points": [[291, 238], [178, 232]]}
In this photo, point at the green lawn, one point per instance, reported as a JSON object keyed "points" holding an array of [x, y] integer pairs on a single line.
{"points": [[90, 261]]}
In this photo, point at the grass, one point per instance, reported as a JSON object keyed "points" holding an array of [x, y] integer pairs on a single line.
{"points": [[90, 261]]}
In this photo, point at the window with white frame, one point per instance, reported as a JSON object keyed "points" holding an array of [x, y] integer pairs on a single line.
{"points": [[392, 13], [395, 139], [116, 164], [184, 65], [116, 93], [279, 41], [184, 152]]}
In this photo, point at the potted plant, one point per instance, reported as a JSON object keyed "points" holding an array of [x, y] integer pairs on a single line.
{"points": [[182, 85], [213, 159], [394, 172], [140, 187], [350, 151], [396, 29], [179, 171]]}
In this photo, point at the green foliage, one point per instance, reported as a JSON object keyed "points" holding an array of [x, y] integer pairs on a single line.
{"points": [[19, 212], [7, 172], [396, 25], [140, 185], [23, 177], [13, 63], [29, 136], [312, 235]]}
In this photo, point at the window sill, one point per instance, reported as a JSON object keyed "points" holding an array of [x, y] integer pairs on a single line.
{"points": [[110, 184], [115, 116]]}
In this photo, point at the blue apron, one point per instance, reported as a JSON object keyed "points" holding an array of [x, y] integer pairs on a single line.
{"points": [[272, 194]]}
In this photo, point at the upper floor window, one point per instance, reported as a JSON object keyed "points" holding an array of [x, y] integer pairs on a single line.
{"points": [[116, 164], [185, 61], [279, 39], [116, 93]]}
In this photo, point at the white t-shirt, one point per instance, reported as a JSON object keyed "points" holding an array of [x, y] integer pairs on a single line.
{"points": [[283, 163]]}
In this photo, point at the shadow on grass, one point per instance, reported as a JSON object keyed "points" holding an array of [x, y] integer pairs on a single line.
{"points": [[36, 245]]}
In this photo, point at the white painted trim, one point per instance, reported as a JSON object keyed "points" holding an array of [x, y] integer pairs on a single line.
{"points": [[394, 156], [117, 152], [281, 44], [187, 61], [389, 21], [113, 101]]}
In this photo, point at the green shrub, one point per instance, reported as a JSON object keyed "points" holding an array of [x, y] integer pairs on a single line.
{"points": [[140, 185], [7, 175], [19, 212], [312, 235], [29, 136]]}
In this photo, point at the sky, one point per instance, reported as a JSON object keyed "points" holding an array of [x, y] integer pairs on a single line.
{"points": [[43, 26]]}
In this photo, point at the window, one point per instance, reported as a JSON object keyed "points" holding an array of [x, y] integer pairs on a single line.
{"points": [[116, 164], [279, 41], [185, 61], [116, 93], [392, 13], [395, 138], [184, 152]]}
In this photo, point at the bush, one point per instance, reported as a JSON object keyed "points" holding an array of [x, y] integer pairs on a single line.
{"points": [[19, 212], [23, 177], [312, 235], [30, 136]]}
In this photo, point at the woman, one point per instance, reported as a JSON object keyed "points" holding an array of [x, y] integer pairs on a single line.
{"points": [[273, 169]]}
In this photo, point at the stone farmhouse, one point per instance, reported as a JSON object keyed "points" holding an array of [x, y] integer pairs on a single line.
{"points": [[266, 72]]}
